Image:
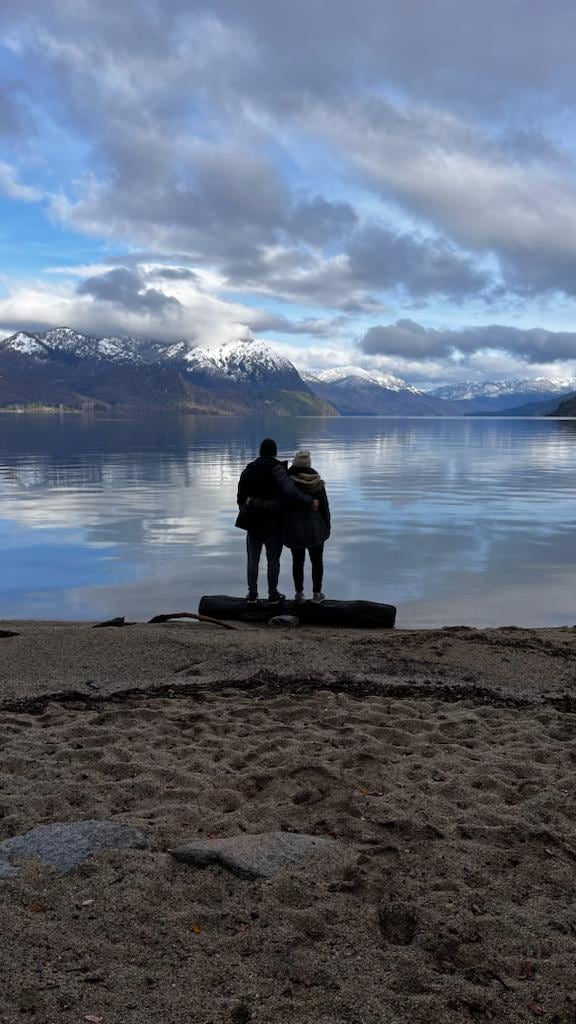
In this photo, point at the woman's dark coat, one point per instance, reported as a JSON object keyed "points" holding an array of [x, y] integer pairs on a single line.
{"points": [[270, 489], [302, 528]]}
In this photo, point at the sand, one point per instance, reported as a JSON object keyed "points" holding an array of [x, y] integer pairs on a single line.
{"points": [[441, 761]]}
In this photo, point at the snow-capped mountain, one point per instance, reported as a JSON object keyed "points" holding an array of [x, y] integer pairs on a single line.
{"points": [[62, 341], [246, 362], [358, 392], [68, 368], [467, 390], [493, 396], [25, 344], [342, 374]]}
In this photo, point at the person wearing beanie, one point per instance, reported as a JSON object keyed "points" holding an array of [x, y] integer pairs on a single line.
{"points": [[264, 491], [302, 460], [304, 532]]}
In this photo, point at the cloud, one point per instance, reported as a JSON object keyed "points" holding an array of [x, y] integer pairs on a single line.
{"points": [[11, 187], [333, 327], [376, 258], [410, 340], [313, 357], [175, 274], [480, 55], [207, 200], [160, 179], [412, 157], [381, 258], [473, 187], [119, 301], [127, 289], [318, 221]]}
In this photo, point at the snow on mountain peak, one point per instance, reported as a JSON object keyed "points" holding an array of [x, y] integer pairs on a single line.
{"points": [[124, 348], [383, 380], [243, 357], [246, 361], [467, 390], [243, 360], [65, 341], [26, 344]]}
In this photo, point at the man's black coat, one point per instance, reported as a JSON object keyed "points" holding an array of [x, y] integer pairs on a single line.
{"points": [[266, 478]]}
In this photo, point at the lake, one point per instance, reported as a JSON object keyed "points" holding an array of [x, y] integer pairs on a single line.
{"points": [[456, 521]]}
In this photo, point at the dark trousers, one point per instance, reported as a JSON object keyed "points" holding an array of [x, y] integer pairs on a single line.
{"points": [[254, 545], [298, 558]]}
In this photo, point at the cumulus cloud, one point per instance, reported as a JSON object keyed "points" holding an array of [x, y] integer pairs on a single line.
{"points": [[120, 302], [468, 184], [375, 258], [220, 196], [411, 340], [381, 258], [411, 157], [175, 274], [482, 55], [319, 221], [127, 289]]}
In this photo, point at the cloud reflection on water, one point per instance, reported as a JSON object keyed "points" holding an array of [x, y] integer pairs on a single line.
{"points": [[453, 520]]}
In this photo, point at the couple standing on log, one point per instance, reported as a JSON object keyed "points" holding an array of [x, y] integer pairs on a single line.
{"points": [[281, 506]]}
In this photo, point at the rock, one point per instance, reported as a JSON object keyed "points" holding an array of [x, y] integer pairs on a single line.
{"points": [[283, 620], [241, 1013], [397, 924], [253, 856], [65, 845], [28, 1000], [410, 828], [6, 868]]}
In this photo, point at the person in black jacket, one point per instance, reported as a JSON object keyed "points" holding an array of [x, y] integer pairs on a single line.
{"points": [[263, 490], [304, 532]]}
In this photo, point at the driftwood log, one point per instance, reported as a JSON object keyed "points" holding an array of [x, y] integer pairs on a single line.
{"points": [[343, 614], [190, 615]]}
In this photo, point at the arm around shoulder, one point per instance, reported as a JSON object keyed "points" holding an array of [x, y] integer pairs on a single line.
{"points": [[288, 487]]}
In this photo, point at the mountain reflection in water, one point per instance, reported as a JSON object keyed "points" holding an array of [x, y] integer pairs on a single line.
{"points": [[454, 520]]}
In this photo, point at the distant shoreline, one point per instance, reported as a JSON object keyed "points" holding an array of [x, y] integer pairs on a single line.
{"points": [[143, 411]]}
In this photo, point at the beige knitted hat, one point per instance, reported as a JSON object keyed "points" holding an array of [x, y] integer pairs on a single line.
{"points": [[302, 459]]}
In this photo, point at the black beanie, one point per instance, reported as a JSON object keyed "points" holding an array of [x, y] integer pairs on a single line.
{"points": [[268, 447]]}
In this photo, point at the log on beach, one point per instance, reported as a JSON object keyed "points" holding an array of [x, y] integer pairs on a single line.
{"points": [[343, 614]]}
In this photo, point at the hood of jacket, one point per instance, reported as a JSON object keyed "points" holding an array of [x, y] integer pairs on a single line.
{"points": [[307, 479]]}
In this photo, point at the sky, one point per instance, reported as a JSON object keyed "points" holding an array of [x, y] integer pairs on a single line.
{"points": [[385, 183]]}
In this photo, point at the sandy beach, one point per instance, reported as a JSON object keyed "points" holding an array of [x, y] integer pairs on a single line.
{"points": [[441, 762]]}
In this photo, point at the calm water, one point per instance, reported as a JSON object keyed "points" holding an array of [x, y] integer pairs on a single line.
{"points": [[455, 521]]}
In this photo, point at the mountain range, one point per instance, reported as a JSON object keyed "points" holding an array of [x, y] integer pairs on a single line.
{"points": [[357, 392], [507, 396], [63, 368]]}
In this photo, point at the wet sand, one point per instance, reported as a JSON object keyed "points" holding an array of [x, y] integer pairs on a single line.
{"points": [[442, 761]]}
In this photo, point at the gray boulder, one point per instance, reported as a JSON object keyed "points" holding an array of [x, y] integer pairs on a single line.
{"points": [[254, 856], [63, 846]]}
